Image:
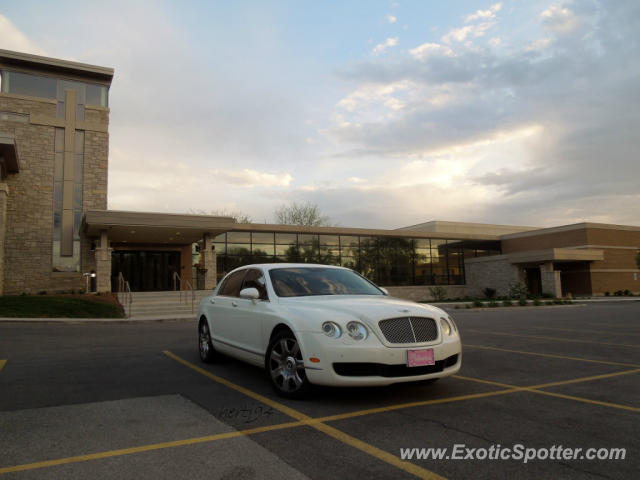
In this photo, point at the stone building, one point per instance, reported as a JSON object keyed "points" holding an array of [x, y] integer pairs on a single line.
{"points": [[56, 232]]}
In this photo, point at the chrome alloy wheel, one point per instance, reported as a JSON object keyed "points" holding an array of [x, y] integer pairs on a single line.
{"points": [[204, 342], [286, 366]]}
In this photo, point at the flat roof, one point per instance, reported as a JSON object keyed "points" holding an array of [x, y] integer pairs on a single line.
{"points": [[55, 65], [467, 228], [170, 228], [567, 228]]}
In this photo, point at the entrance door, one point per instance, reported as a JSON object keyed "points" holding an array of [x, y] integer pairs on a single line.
{"points": [[145, 270], [534, 281]]}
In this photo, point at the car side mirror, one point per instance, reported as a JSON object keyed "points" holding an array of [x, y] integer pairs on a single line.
{"points": [[384, 290], [250, 293]]}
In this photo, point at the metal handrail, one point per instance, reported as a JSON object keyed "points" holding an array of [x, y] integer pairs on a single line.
{"points": [[125, 290], [177, 278]]}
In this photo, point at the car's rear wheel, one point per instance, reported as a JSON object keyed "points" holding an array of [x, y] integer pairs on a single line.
{"points": [[285, 366], [205, 346]]}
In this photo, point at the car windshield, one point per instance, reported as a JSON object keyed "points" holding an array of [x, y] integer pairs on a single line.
{"points": [[302, 282]]}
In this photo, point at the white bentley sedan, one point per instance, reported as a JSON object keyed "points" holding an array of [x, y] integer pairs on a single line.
{"points": [[324, 325]]}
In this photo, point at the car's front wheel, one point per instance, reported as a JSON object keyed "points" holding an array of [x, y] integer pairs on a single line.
{"points": [[285, 366], [205, 346]]}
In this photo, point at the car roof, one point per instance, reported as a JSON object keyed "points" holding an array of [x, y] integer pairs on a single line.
{"points": [[271, 266]]}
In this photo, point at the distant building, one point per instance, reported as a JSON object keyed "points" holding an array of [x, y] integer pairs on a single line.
{"points": [[55, 228]]}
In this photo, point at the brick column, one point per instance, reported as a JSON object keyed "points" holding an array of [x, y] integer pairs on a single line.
{"points": [[550, 280], [103, 264], [209, 262], [4, 195]]}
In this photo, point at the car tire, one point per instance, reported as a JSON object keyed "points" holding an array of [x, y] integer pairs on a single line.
{"points": [[284, 364], [205, 346]]}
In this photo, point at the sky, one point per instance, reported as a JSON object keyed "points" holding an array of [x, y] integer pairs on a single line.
{"points": [[383, 113]]}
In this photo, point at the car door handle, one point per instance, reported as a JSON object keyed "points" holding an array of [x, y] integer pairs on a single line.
{"points": [[235, 304], [212, 300]]}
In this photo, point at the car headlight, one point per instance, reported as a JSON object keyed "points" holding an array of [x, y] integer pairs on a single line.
{"points": [[453, 324], [331, 329], [446, 326], [357, 331]]}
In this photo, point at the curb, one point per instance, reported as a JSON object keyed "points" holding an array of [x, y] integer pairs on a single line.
{"points": [[98, 321]]}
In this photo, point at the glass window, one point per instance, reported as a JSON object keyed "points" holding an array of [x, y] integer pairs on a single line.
{"points": [[239, 237], [330, 240], [286, 239], [307, 239], [220, 247], [97, 95], [220, 238], [238, 249], [31, 85], [348, 241], [262, 237], [232, 284], [262, 249], [302, 282], [255, 279]]}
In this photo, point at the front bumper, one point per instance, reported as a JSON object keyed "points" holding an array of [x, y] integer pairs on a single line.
{"points": [[370, 363]]}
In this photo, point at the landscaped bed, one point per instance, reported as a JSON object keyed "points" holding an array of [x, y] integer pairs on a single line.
{"points": [[56, 306]]}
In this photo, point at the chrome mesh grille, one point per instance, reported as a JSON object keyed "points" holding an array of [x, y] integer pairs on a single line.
{"points": [[409, 329]]}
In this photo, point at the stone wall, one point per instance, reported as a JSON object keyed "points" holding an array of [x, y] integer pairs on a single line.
{"points": [[421, 293], [492, 272], [29, 217]]}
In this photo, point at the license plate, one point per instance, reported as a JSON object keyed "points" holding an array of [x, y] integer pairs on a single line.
{"points": [[420, 358]]}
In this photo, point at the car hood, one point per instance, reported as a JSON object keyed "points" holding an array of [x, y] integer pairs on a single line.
{"points": [[367, 308]]}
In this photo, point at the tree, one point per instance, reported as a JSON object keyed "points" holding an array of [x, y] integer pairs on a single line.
{"points": [[306, 214]]}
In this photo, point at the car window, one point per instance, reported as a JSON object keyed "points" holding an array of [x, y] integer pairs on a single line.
{"points": [[303, 281], [255, 279], [232, 284]]}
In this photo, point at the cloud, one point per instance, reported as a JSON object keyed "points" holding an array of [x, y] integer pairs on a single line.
{"points": [[525, 130], [426, 50], [484, 14], [559, 18], [391, 19], [382, 47], [11, 38], [251, 178]]}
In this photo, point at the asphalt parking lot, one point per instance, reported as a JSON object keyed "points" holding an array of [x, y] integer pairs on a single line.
{"points": [[133, 401]]}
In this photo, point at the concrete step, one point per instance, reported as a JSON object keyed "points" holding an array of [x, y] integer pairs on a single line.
{"points": [[167, 304]]}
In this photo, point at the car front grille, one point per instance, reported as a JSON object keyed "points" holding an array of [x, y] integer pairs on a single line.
{"points": [[409, 329]]}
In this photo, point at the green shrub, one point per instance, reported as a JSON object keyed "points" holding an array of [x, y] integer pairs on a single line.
{"points": [[627, 293], [522, 302], [493, 304], [438, 293], [42, 292], [548, 302], [507, 303], [478, 304], [618, 293], [468, 305], [568, 302], [537, 302], [607, 294], [489, 293], [547, 295], [457, 307], [518, 290]]}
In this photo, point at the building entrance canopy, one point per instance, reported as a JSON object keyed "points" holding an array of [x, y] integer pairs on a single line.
{"points": [[153, 228]]}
